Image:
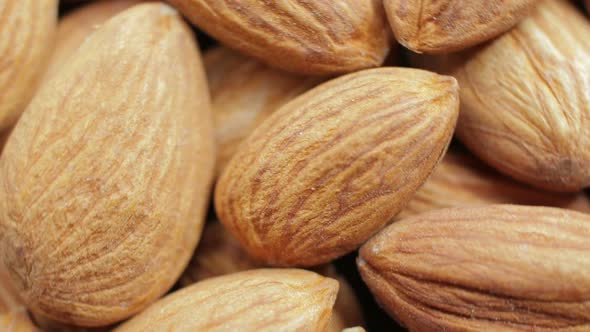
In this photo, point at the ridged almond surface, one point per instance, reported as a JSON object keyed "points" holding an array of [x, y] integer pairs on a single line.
{"points": [[461, 180], [76, 26], [333, 166], [27, 29], [304, 37], [496, 268], [244, 92], [257, 300], [442, 26], [219, 254], [13, 313], [525, 98], [105, 181]]}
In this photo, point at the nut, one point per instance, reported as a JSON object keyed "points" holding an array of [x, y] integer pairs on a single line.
{"points": [[305, 37], [105, 180], [461, 180], [434, 26], [333, 166], [27, 29], [495, 268], [13, 313], [257, 300]]}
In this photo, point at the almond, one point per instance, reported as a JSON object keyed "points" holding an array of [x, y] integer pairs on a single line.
{"points": [[435, 26], [304, 37], [495, 268], [105, 181], [525, 98], [27, 29], [461, 180], [257, 300], [13, 313], [75, 27], [333, 166], [244, 92]]}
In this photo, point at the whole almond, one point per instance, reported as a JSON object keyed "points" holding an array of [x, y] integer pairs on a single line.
{"points": [[461, 180], [304, 37], [495, 268], [27, 29], [244, 92], [435, 26], [13, 313], [525, 98], [257, 300], [76, 26], [333, 166], [105, 181]]}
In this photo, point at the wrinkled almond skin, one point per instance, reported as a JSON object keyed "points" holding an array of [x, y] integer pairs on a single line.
{"points": [[461, 180], [75, 27], [105, 181], [27, 29], [256, 300], [244, 92], [304, 37], [442, 26], [495, 268], [13, 313], [333, 166], [535, 124]]}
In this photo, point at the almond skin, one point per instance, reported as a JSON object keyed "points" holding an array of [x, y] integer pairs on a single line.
{"points": [[495, 268], [461, 180], [304, 37], [333, 166], [535, 125], [244, 92], [435, 26], [13, 313], [110, 168], [27, 29], [257, 300]]}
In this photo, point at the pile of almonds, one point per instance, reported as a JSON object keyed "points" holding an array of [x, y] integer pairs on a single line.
{"points": [[316, 130]]}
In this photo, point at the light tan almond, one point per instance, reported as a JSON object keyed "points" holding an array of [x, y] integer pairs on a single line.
{"points": [[105, 181], [27, 29], [443, 26], [244, 92], [461, 180], [333, 166], [304, 37], [495, 268], [13, 313], [525, 98], [257, 300]]}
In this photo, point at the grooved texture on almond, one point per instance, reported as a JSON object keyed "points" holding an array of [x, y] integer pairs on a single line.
{"points": [[461, 180], [27, 29], [333, 166], [305, 37], [13, 313], [244, 92], [105, 181], [525, 98], [439, 26], [257, 300], [496, 268]]}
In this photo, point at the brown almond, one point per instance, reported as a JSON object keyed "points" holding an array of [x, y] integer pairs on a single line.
{"points": [[27, 29], [461, 180], [257, 300], [333, 166], [105, 181], [304, 37], [495, 268]]}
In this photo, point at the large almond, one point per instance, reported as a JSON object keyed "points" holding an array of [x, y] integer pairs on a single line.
{"points": [[105, 181], [257, 300], [442, 26], [305, 37], [496, 268], [27, 29], [461, 180], [525, 101], [333, 166]]}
